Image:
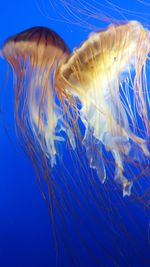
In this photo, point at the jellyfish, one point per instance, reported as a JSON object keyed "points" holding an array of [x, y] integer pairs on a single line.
{"points": [[100, 86], [35, 56], [108, 75]]}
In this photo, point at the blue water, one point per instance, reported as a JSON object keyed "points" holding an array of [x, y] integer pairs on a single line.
{"points": [[93, 236]]}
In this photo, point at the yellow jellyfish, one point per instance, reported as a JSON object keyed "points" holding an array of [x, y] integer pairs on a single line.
{"points": [[108, 75]]}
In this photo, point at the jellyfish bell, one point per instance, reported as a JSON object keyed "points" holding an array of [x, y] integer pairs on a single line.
{"points": [[108, 75]]}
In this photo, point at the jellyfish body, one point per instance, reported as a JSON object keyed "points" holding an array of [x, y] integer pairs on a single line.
{"points": [[35, 55], [108, 75]]}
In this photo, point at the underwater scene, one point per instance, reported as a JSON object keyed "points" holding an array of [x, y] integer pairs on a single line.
{"points": [[75, 133]]}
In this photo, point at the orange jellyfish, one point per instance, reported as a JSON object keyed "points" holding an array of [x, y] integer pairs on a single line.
{"points": [[108, 75], [35, 56]]}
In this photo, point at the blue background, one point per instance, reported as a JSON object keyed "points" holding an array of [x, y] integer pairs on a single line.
{"points": [[26, 237]]}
